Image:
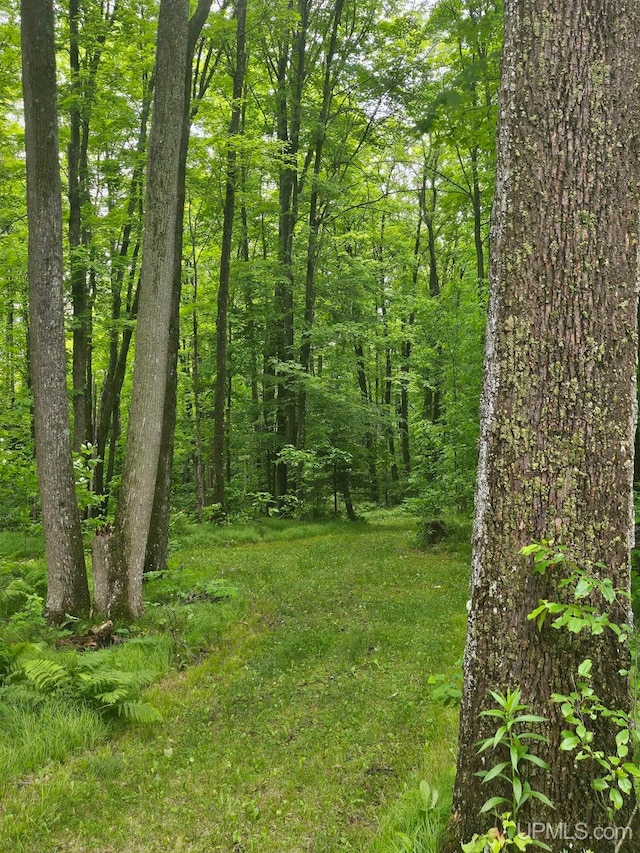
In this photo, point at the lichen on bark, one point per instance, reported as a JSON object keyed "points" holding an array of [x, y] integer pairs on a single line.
{"points": [[559, 401]]}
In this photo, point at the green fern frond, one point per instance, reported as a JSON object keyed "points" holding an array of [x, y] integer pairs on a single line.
{"points": [[45, 674], [113, 697], [139, 712], [21, 693]]}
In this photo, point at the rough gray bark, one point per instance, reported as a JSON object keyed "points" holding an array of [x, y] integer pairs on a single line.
{"points": [[128, 544], [559, 402], [68, 590]]}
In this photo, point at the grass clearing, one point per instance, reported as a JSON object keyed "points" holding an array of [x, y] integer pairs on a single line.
{"points": [[309, 726]]}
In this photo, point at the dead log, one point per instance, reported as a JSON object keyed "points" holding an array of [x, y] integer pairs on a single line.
{"points": [[98, 637]]}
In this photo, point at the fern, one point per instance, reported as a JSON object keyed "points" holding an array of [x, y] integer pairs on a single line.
{"points": [[113, 697], [45, 675], [28, 673], [139, 712], [21, 693]]}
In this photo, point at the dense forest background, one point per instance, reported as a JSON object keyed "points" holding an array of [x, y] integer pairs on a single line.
{"points": [[335, 248]]}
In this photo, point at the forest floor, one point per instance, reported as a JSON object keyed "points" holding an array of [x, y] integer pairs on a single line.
{"points": [[308, 728]]}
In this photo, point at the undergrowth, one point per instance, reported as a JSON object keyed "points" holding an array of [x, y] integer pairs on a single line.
{"points": [[54, 701], [308, 724]]}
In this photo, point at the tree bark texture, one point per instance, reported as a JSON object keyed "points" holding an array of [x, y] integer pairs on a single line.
{"points": [[68, 590], [152, 361], [559, 402]]}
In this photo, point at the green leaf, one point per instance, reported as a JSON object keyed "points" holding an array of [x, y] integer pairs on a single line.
{"points": [[517, 790], [535, 759], [538, 795], [583, 588], [616, 798], [622, 737], [488, 775], [492, 803], [600, 784], [500, 733], [530, 718], [625, 785], [569, 743], [585, 668]]}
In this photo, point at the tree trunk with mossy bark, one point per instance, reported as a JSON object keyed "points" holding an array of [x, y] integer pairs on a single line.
{"points": [[559, 402]]}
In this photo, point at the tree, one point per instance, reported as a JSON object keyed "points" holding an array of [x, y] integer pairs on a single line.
{"points": [[197, 80], [83, 75], [120, 558], [68, 590], [240, 13], [559, 400]]}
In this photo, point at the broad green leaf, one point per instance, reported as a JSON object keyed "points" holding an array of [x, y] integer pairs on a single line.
{"points": [[492, 803]]}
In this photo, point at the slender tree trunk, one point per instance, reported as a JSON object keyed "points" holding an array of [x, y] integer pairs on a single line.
{"points": [[476, 200], [119, 349], [83, 77], [10, 360], [291, 74], [559, 402], [388, 397], [76, 244], [225, 258], [152, 359], [374, 489], [158, 544], [315, 221], [197, 405], [68, 590]]}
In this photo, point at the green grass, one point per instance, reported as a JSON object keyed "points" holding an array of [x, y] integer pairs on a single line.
{"points": [[31, 739], [18, 545], [308, 727]]}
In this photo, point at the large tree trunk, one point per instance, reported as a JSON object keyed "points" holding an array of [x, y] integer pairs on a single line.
{"points": [[152, 359], [68, 590], [559, 401]]}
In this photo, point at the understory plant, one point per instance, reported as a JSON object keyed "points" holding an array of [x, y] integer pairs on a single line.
{"points": [[512, 740], [591, 602], [29, 673], [594, 599]]}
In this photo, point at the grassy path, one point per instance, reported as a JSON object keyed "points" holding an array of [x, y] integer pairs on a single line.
{"points": [[299, 732]]}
